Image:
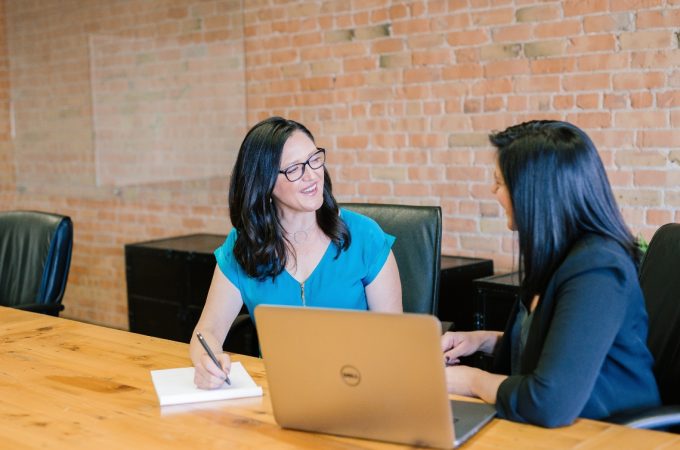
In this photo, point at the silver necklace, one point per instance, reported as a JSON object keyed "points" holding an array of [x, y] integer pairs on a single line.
{"points": [[301, 236]]}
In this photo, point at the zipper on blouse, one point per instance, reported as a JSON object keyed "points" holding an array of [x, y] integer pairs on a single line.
{"points": [[302, 293]]}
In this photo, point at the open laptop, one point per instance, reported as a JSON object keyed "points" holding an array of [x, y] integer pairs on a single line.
{"points": [[362, 374]]}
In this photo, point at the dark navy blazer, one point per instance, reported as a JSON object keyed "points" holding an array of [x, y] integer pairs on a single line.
{"points": [[586, 352]]}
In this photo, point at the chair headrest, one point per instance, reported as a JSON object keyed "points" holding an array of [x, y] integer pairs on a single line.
{"points": [[34, 248]]}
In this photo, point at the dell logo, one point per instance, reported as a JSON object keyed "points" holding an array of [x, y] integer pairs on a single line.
{"points": [[350, 375]]}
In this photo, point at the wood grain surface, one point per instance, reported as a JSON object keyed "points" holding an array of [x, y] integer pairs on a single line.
{"points": [[67, 384]]}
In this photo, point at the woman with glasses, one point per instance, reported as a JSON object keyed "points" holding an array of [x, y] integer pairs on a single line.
{"points": [[575, 345], [290, 243]]}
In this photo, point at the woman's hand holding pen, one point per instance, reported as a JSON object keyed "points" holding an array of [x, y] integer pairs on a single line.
{"points": [[207, 375], [211, 369]]}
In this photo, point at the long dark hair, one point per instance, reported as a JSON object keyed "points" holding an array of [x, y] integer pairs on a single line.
{"points": [[261, 244], [559, 192]]}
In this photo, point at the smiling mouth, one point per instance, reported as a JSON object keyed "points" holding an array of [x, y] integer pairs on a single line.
{"points": [[310, 190]]}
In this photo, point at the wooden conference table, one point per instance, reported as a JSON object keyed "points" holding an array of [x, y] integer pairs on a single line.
{"points": [[66, 384]]}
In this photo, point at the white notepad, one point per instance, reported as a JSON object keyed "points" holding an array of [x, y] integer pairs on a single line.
{"points": [[175, 386]]}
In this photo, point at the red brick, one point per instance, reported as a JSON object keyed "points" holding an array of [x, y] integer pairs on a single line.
{"points": [[418, 190], [646, 40], [381, 15], [632, 5], [429, 140], [584, 7], [655, 60], [544, 83], [553, 65], [658, 138], [424, 173], [641, 99], [307, 39], [592, 43], [512, 33], [353, 142], [432, 57], [387, 46], [665, 18], [658, 217], [640, 119], [669, 99], [467, 37], [374, 188], [449, 189], [591, 119], [649, 178], [563, 28], [615, 101], [590, 63], [452, 21], [588, 101], [506, 68], [411, 26], [422, 75], [634, 158], [462, 71], [630, 81], [586, 82], [517, 103], [493, 104], [361, 64], [410, 156], [492, 17]]}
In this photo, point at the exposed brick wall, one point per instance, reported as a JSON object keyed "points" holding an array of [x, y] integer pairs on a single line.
{"points": [[6, 157], [403, 95], [84, 110]]}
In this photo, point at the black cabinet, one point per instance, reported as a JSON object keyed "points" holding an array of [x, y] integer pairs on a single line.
{"points": [[167, 283], [456, 292], [494, 298]]}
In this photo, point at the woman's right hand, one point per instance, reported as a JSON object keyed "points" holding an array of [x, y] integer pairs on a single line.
{"points": [[221, 308], [456, 344], [207, 375]]}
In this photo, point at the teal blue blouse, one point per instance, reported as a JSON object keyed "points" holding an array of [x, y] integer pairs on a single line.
{"points": [[335, 282]]}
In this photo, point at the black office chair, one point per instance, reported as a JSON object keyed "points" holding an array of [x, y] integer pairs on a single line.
{"points": [[417, 250], [242, 337], [660, 281], [35, 256]]}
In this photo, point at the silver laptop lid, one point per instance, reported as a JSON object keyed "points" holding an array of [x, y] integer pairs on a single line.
{"points": [[357, 373]]}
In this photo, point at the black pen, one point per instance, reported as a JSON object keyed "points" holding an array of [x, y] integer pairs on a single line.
{"points": [[211, 354]]}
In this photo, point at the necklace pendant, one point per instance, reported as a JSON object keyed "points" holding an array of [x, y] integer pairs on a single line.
{"points": [[300, 236]]}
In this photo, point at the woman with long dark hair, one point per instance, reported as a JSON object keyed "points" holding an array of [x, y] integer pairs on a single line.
{"points": [[575, 345], [290, 243]]}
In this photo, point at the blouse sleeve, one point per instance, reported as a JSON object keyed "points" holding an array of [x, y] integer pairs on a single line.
{"points": [[226, 261], [375, 245]]}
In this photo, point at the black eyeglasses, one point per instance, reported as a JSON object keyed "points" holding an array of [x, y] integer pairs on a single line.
{"points": [[295, 171]]}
